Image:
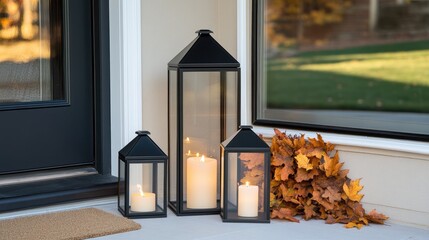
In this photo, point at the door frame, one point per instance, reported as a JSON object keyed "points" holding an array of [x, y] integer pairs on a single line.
{"points": [[101, 80]]}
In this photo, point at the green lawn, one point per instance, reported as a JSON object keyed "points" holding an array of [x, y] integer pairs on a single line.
{"points": [[392, 77]]}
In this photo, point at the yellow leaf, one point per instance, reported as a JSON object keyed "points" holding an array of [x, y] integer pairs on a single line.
{"points": [[353, 224], [303, 162], [352, 190]]}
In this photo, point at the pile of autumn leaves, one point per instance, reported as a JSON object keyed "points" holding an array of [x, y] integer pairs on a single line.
{"points": [[308, 180]]}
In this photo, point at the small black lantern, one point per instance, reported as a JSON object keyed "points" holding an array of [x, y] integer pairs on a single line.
{"points": [[142, 178], [245, 178], [204, 107]]}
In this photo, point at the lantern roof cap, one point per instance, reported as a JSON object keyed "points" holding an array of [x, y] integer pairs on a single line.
{"points": [[204, 52], [244, 139], [142, 147]]}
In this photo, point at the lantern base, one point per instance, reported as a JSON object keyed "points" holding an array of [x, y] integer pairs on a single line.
{"points": [[190, 212], [233, 217], [158, 213]]}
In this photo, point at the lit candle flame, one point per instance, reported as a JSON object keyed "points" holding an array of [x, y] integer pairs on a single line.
{"points": [[140, 189], [187, 140], [247, 183], [202, 159], [189, 152], [198, 154]]}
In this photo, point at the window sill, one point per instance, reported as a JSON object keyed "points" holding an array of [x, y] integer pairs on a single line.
{"points": [[396, 145]]}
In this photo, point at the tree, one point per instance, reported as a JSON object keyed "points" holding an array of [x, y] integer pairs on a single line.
{"points": [[286, 16]]}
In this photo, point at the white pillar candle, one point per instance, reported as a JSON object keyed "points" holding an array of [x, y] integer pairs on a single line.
{"points": [[201, 182], [143, 201], [248, 200]]}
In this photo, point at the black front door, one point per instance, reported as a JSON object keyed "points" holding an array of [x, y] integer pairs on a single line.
{"points": [[46, 85]]}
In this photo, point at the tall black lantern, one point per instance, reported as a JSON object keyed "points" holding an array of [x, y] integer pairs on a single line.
{"points": [[204, 106], [245, 178], [142, 178]]}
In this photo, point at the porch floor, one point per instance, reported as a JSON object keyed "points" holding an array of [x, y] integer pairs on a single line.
{"points": [[212, 227]]}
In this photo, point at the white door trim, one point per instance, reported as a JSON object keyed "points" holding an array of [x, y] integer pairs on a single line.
{"points": [[125, 64]]}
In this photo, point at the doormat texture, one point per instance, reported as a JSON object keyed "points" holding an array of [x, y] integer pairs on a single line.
{"points": [[76, 224]]}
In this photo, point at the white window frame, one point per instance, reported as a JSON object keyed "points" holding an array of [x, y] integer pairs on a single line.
{"points": [[244, 19]]}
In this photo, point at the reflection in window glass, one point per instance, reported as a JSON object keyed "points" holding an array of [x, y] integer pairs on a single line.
{"points": [[25, 59], [360, 61]]}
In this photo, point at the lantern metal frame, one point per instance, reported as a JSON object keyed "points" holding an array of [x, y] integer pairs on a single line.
{"points": [[244, 141], [142, 150], [207, 56]]}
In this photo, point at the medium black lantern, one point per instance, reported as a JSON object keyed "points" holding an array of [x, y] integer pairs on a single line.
{"points": [[142, 178], [204, 106], [245, 178]]}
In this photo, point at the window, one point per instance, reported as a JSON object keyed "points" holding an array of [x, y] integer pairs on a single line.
{"points": [[31, 53], [350, 66]]}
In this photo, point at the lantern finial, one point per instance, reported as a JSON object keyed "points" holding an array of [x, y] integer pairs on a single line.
{"points": [[142, 132], [204, 32]]}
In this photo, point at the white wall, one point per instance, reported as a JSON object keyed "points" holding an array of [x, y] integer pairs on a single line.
{"points": [[395, 174], [167, 27]]}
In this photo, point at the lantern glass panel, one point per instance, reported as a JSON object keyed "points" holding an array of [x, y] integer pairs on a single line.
{"points": [[173, 101], [245, 187], [160, 183], [121, 185], [210, 108], [231, 105], [143, 181]]}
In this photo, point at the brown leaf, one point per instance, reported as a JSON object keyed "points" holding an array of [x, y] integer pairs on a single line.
{"points": [[316, 152], [330, 220], [356, 208], [285, 172], [285, 213], [326, 204], [252, 160], [309, 211], [376, 217], [278, 160], [332, 195], [303, 175], [303, 190], [317, 142]]}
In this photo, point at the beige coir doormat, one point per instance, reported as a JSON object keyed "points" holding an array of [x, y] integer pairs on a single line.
{"points": [[76, 224]]}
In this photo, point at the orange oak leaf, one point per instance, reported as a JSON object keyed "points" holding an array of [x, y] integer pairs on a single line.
{"points": [[316, 152], [278, 160], [333, 195], [352, 191], [356, 208], [317, 142], [303, 162], [285, 172], [303, 189], [317, 196], [299, 142], [332, 166], [376, 217], [309, 211], [303, 175], [285, 213]]}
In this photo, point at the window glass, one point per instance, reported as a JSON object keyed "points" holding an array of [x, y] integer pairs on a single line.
{"points": [[343, 64]]}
